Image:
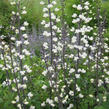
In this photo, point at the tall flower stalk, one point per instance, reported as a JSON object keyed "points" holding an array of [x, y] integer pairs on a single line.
{"points": [[14, 56], [76, 57]]}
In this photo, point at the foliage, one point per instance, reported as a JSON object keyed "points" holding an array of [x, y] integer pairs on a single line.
{"points": [[70, 71]]}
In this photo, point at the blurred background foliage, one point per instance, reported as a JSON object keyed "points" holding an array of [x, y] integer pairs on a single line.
{"points": [[34, 15]]}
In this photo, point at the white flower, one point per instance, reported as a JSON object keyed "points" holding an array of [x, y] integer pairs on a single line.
{"points": [[26, 52], [13, 12], [45, 15], [26, 23], [43, 104], [70, 106], [87, 3], [81, 16], [42, 3], [45, 9], [72, 29], [81, 96], [26, 42], [19, 85], [56, 99], [54, 27], [91, 38], [86, 7], [13, 3], [16, 31], [83, 71], [91, 95], [18, 43], [49, 101], [25, 35], [26, 102], [24, 12], [78, 89], [13, 38], [92, 80], [75, 20], [17, 98], [21, 56], [4, 83], [22, 28], [12, 27], [44, 72], [50, 6], [84, 55], [44, 87], [30, 95], [17, 14], [45, 33], [77, 75], [25, 78], [1, 65], [98, 100], [54, 2], [107, 72], [79, 7], [71, 56], [32, 107], [54, 50], [74, 15], [74, 39], [71, 93], [13, 102], [56, 9], [72, 70], [24, 8], [55, 39], [104, 98], [19, 106], [45, 45], [64, 101], [53, 16], [24, 86], [47, 25], [76, 58], [43, 22], [74, 6], [22, 72], [53, 105], [57, 20]]}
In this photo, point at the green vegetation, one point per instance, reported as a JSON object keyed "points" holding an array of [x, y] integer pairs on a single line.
{"points": [[34, 15], [34, 18]]}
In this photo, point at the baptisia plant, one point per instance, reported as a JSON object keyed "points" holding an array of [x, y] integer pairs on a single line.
{"points": [[53, 56], [99, 79], [72, 58], [13, 56], [85, 47], [79, 47]]}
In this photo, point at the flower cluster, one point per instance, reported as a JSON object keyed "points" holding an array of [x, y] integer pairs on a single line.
{"points": [[13, 56], [75, 59]]}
